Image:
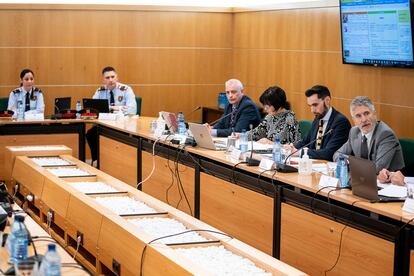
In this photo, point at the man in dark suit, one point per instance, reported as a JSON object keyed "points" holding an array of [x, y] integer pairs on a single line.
{"points": [[239, 114], [329, 128], [372, 139]]}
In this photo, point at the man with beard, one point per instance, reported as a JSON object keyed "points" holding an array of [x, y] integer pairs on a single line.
{"points": [[327, 119], [372, 139]]}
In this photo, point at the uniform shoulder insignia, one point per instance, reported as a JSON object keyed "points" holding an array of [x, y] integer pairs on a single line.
{"points": [[37, 90], [102, 88], [123, 87], [17, 90]]}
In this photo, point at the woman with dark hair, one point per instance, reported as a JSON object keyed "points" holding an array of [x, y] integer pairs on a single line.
{"points": [[30, 96], [280, 120]]}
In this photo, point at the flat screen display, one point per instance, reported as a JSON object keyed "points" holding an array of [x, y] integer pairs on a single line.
{"points": [[377, 32]]}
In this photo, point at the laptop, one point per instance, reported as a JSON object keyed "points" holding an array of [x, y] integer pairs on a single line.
{"points": [[170, 120], [62, 104], [101, 105], [202, 136], [364, 180]]}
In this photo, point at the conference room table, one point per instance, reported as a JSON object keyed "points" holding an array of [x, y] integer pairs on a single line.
{"points": [[286, 215]]}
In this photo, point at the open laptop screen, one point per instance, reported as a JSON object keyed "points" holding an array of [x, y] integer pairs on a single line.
{"points": [[62, 104], [101, 105]]}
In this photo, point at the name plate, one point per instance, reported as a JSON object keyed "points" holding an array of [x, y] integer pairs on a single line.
{"points": [[108, 116], [408, 205], [326, 181], [235, 154], [266, 164], [29, 116]]}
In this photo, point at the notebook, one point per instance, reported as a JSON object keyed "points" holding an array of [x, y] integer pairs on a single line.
{"points": [[99, 104], [364, 180], [202, 136]]}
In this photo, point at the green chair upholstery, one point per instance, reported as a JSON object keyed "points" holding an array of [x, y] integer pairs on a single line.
{"points": [[4, 102], [407, 146], [304, 126], [138, 99]]}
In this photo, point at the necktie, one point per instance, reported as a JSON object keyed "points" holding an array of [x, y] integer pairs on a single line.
{"points": [[233, 116], [111, 100], [320, 135], [364, 147], [27, 103]]}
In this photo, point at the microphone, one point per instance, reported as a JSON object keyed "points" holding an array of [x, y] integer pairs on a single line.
{"points": [[250, 160], [285, 168], [192, 111], [221, 118], [189, 114], [396, 144]]}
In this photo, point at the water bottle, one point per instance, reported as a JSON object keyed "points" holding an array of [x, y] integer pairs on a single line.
{"points": [[277, 150], [19, 240], [78, 109], [181, 124], [243, 141], [342, 171], [20, 110], [51, 265]]}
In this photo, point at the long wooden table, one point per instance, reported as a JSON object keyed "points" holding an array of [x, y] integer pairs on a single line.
{"points": [[286, 215], [282, 214], [47, 132]]}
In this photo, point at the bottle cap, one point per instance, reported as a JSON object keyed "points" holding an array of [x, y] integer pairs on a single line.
{"points": [[51, 247], [19, 218]]}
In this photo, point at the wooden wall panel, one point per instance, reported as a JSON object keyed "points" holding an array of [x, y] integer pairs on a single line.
{"points": [[152, 51], [299, 48]]}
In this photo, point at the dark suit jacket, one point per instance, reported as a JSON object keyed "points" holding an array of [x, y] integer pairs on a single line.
{"points": [[331, 142], [385, 149], [246, 114]]}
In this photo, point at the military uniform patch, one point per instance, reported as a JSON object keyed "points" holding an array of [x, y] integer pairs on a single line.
{"points": [[34, 98], [120, 98]]}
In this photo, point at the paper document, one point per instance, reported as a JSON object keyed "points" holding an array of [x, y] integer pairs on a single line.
{"points": [[393, 191], [409, 180], [321, 168], [256, 145]]}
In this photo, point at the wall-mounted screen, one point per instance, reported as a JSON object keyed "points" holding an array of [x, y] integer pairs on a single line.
{"points": [[377, 32]]}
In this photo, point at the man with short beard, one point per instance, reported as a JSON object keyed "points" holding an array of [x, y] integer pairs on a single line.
{"points": [[329, 129]]}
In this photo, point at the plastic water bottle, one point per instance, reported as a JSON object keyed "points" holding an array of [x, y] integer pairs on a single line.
{"points": [[342, 171], [51, 265], [277, 150], [20, 111], [181, 124], [243, 141], [19, 240], [78, 109]]}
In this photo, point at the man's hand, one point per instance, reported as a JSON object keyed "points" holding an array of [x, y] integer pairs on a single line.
{"points": [[397, 178], [119, 107], [384, 176]]}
